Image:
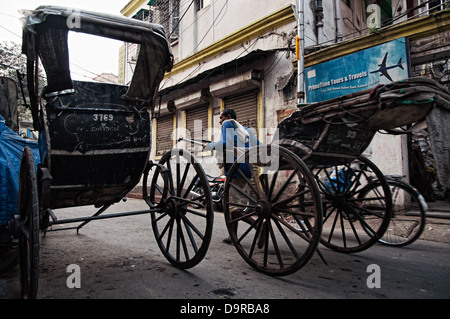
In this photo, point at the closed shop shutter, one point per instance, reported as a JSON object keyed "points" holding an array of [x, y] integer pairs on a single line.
{"points": [[164, 128], [246, 108], [197, 114], [195, 129]]}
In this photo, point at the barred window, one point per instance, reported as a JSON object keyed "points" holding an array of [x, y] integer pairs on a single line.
{"points": [[200, 4], [166, 13], [436, 5]]}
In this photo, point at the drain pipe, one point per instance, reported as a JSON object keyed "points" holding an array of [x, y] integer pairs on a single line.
{"points": [[337, 20], [319, 21], [300, 15]]}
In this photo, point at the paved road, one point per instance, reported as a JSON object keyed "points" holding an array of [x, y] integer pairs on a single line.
{"points": [[119, 258]]}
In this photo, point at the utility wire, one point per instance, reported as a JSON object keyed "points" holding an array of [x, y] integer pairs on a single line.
{"points": [[10, 31], [212, 25], [179, 20]]}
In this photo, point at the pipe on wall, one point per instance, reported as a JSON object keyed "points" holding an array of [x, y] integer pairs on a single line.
{"points": [[337, 20]]}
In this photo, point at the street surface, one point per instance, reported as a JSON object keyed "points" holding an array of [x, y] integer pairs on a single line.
{"points": [[119, 258]]}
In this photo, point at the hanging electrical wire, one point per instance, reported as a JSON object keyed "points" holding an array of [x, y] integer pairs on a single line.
{"points": [[181, 18]]}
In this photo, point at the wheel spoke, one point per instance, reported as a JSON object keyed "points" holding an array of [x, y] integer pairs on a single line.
{"points": [[355, 212], [181, 239], [189, 224], [352, 225], [160, 217], [286, 238], [159, 189], [290, 227], [260, 223], [284, 186], [179, 185], [242, 192], [171, 185], [272, 185], [190, 187], [192, 233], [196, 212], [290, 198], [275, 244], [333, 227], [281, 249], [169, 226]]}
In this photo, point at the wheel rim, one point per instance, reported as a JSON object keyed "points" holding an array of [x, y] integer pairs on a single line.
{"points": [[29, 227], [183, 223], [408, 215], [354, 219], [276, 226]]}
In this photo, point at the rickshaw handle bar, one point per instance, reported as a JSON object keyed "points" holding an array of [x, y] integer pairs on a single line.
{"points": [[198, 142]]}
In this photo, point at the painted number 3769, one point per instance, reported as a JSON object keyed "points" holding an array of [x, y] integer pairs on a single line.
{"points": [[103, 117]]}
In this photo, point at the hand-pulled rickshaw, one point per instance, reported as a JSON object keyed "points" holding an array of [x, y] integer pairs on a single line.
{"points": [[94, 142], [312, 184]]}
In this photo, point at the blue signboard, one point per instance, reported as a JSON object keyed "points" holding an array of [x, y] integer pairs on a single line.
{"points": [[358, 71]]}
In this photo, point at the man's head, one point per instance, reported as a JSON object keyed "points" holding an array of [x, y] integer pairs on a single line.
{"points": [[227, 114]]}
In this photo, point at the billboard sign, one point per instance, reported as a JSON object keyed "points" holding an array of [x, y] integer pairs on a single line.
{"points": [[382, 64]]}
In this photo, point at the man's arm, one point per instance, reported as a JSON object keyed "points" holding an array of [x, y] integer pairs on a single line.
{"points": [[224, 137]]}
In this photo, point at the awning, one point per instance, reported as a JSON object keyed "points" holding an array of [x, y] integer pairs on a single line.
{"points": [[217, 70]]}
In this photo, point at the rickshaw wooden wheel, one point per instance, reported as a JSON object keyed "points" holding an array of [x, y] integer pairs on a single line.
{"points": [[354, 218], [181, 220], [29, 227], [274, 216]]}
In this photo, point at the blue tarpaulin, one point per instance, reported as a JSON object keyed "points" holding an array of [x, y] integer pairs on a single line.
{"points": [[11, 149]]}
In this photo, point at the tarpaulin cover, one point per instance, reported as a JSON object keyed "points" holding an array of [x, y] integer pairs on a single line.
{"points": [[11, 149]]}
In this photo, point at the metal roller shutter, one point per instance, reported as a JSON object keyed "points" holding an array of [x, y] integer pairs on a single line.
{"points": [[164, 128], [246, 106], [199, 113]]}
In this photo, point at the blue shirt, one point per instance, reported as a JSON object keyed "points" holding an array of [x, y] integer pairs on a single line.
{"points": [[228, 140]]}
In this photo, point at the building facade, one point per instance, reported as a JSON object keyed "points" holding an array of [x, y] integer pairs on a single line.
{"points": [[242, 55]]}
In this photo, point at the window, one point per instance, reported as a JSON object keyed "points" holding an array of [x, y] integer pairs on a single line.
{"points": [[166, 13], [383, 8], [436, 5], [142, 15], [290, 90], [410, 8], [174, 19], [200, 4]]}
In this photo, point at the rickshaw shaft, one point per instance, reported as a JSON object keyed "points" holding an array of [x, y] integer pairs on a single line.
{"points": [[97, 216]]}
